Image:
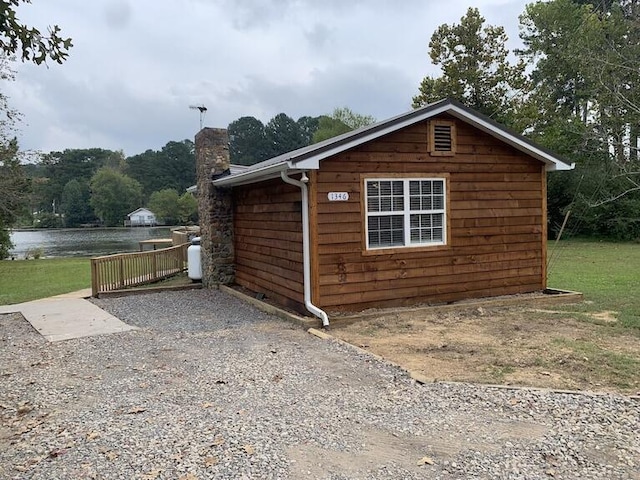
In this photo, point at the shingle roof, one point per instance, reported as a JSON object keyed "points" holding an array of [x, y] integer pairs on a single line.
{"points": [[309, 157]]}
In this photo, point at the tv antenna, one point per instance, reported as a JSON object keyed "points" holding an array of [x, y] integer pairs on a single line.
{"points": [[203, 112]]}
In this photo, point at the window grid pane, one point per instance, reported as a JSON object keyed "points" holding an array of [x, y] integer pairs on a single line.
{"points": [[426, 195], [427, 228], [385, 196], [423, 219], [386, 231]]}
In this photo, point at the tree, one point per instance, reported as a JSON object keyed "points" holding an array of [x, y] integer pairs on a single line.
{"points": [[308, 126], [72, 164], [283, 135], [174, 166], [14, 188], [342, 120], [329, 127], [75, 203], [475, 69], [251, 142], [165, 205], [585, 68], [33, 46], [187, 209], [29, 42], [351, 119], [114, 195], [247, 141]]}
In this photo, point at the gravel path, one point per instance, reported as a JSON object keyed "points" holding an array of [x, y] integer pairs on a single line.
{"points": [[211, 388]]}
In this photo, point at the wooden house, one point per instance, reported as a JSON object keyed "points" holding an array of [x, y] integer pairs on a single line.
{"points": [[437, 205], [141, 217]]}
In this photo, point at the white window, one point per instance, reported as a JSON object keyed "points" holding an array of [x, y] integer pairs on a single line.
{"points": [[408, 212]]}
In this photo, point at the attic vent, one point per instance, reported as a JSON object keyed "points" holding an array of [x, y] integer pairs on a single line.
{"points": [[442, 137]]}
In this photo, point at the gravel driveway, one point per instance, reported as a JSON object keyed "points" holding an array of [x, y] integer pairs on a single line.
{"points": [[211, 388]]}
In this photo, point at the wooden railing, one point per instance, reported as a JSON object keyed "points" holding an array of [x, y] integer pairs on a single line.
{"points": [[115, 272], [178, 237]]}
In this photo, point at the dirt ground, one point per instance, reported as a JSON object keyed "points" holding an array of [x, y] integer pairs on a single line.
{"points": [[538, 347]]}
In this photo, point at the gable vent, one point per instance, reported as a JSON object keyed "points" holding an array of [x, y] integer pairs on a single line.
{"points": [[442, 138]]}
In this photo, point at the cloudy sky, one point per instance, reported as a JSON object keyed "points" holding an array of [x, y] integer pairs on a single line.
{"points": [[137, 65]]}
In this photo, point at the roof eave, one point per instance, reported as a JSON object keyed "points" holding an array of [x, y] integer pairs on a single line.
{"points": [[552, 162], [252, 176]]}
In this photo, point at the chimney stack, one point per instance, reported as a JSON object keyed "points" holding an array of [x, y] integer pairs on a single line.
{"points": [[215, 208]]}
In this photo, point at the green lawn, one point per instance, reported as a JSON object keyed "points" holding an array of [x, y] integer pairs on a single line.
{"points": [[608, 274], [24, 280]]}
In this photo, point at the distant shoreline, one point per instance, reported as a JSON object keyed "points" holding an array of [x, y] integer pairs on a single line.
{"points": [[84, 229]]}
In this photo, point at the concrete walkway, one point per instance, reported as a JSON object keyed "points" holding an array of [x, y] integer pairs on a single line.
{"points": [[67, 316]]}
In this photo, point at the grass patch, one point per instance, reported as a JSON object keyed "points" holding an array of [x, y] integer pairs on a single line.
{"points": [[607, 274], [25, 280], [497, 373], [599, 366]]}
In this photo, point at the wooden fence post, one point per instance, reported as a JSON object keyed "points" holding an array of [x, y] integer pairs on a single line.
{"points": [[94, 277]]}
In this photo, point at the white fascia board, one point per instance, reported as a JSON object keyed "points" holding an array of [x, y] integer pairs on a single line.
{"points": [[252, 176], [551, 162]]}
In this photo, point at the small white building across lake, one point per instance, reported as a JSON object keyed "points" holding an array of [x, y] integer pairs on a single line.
{"points": [[142, 217]]}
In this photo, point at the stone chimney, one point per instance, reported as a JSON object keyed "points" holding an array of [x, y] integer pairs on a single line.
{"points": [[215, 207]]}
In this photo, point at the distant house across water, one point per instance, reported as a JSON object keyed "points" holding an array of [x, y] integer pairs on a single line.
{"points": [[142, 217]]}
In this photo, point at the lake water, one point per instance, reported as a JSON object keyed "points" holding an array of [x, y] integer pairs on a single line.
{"points": [[85, 242]]}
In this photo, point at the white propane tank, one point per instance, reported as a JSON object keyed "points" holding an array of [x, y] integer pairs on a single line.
{"points": [[194, 264]]}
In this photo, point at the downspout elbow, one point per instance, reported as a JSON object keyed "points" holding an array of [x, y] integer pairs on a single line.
{"points": [[302, 185]]}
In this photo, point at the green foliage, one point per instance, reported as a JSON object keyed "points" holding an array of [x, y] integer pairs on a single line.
{"points": [[59, 168], [29, 42], [14, 185], [114, 195], [187, 209], [5, 241], [22, 281], [251, 142], [282, 135], [75, 203], [329, 127], [585, 104], [47, 220], [174, 166], [475, 69], [247, 142], [308, 126], [14, 189], [342, 120], [165, 205], [351, 119]]}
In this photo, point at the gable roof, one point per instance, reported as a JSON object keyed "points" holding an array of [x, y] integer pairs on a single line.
{"points": [[308, 158], [140, 210]]}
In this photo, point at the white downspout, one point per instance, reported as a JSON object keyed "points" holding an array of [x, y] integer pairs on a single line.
{"points": [[306, 256]]}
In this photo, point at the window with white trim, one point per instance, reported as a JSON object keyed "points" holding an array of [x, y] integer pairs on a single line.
{"points": [[409, 212]]}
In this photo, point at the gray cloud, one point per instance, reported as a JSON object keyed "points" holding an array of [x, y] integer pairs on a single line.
{"points": [[117, 14], [319, 36], [137, 66]]}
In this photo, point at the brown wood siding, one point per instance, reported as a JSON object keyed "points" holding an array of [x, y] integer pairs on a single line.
{"points": [[496, 222], [268, 241]]}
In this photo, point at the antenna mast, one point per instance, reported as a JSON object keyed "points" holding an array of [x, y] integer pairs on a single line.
{"points": [[203, 112]]}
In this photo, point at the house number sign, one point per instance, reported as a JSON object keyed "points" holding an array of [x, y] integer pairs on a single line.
{"points": [[338, 196]]}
